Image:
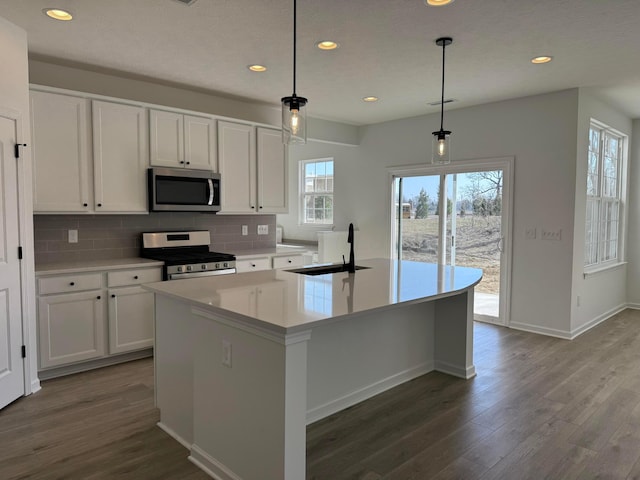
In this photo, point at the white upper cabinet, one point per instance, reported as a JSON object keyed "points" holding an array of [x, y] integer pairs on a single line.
{"points": [[237, 158], [61, 153], [272, 172], [120, 157], [179, 140], [252, 168], [89, 156]]}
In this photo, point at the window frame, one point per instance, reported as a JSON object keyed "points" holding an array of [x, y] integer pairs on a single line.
{"points": [[603, 234], [302, 194]]}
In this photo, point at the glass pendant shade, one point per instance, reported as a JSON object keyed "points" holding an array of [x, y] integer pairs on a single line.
{"points": [[441, 147], [294, 120]]}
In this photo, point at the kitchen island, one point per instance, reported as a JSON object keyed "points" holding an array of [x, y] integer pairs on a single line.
{"points": [[244, 362]]}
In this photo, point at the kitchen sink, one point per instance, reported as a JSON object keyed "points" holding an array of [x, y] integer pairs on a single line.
{"points": [[324, 269]]}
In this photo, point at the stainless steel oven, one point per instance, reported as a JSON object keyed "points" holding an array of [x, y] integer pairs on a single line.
{"points": [[186, 254]]}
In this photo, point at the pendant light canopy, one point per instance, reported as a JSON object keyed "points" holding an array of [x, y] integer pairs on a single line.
{"points": [[441, 138], [294, 116]]}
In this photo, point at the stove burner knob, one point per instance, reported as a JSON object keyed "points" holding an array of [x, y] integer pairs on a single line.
{"points": [[217, 266], [188, 267], [179, 269], [204, 267], [226, 265]]}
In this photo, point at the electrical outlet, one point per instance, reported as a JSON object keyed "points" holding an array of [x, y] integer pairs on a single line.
{"points": [[226, 353], [263, 229], [245, 230], [530, 233], [73, 236], [551, 234]]}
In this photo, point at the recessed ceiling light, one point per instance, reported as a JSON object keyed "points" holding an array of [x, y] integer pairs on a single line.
{"points": [[58, 14], [437, 3], [257, 68], [541, 59], [327, 45], [370, 99]]}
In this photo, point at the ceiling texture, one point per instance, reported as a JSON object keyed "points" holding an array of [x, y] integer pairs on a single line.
{"points": [[386, 49]]}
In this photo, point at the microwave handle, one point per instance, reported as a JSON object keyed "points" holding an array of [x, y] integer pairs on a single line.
{"points": [[210, 181]]}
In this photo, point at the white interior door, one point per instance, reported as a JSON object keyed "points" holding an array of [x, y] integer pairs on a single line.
{"points": [[11, 361]]}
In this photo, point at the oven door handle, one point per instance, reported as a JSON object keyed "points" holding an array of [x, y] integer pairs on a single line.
{"points": [[210, 181]]}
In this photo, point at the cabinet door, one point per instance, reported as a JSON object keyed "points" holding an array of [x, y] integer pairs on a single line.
{"points": [[200, 143], [167, 139], [272, 172], [237, 162], [131, 312], [121, 157], [71, 328], [61, 161]]}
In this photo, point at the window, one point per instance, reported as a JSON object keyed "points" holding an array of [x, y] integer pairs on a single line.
{"points": [[316, 192], [604, 196]]}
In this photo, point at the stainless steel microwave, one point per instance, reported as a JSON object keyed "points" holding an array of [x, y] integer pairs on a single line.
{"points": [[183, 190]]}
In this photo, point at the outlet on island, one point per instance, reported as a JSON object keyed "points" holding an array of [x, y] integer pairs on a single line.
{"points": [[263, 229]]}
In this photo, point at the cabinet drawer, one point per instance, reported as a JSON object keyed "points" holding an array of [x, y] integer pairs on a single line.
{"points": [[69, 283], [134, 277], [289, 261], [253, 264]]}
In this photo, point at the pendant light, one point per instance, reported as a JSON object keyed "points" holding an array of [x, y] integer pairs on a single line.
{"points": [[294, 117], [441, 138]]}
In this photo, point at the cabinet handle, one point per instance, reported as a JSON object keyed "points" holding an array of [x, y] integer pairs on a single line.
{"points": [[181, 162], [135, 277], [113, 295], [289, 261], [85, 204], [253, 206], [98, 297], [253, 264], [188, 163], [72, 283], [260, 206], [99, 204]]}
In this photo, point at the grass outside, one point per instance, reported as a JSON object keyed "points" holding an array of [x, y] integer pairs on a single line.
{"points": [[477, 241]]}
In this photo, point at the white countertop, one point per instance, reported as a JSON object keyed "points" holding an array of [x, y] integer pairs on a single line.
{"points": [[93, 265], [286, 302]]}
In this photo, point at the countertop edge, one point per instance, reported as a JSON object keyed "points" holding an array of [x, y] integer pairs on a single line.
{"points": [[94, 265]]}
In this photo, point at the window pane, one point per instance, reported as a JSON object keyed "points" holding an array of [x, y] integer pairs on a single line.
{"points": [[592, 174], [317, 192]]}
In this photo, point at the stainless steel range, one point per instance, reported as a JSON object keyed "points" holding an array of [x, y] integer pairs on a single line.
{"points": [[186, 254]]}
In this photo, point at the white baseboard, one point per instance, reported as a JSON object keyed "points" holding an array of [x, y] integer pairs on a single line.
{"points": [[552, 332], [35, 386], [174, 435], [93, 364], [210, 465], [599, 319], [634, 306], [334, 406], [456, 371]]}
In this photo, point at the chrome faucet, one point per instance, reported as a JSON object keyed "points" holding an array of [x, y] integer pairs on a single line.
{"points": [[351, 266]]}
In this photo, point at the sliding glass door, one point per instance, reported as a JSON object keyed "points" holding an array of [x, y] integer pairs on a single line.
{"points": [[457, 218]]}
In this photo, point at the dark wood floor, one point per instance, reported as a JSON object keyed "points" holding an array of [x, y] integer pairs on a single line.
{"points": [[539, 408]]}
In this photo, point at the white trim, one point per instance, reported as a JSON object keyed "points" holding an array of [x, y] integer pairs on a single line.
{"points": [[455, 370], [596, 321], [551, 332], [174, 435], [364, 393], [603, 268], [210, 465]]}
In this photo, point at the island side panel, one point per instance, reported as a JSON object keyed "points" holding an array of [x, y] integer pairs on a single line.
{"points": [[454, 335], [249, 418], [173, 365], [356, 358]]}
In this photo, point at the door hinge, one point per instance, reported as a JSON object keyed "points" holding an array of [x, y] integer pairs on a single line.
{"points": [[19, 253], [24, 351], [16, 150]]}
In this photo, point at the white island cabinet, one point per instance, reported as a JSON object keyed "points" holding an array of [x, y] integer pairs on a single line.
{"points": [[244, 362]]}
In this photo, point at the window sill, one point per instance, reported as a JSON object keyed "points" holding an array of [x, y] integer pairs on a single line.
{"points": [[603, 268]]}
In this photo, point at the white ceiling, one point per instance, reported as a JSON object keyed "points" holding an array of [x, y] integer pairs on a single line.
{"points": [[386, 49]]}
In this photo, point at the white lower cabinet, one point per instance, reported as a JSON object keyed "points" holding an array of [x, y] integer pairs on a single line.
{"points": [[71, 328], [289, 261], [92, 316], [253, 264], [130, 319]]}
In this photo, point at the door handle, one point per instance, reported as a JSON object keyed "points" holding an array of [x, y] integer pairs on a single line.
{"points": [[501, 245], [210, 182]]}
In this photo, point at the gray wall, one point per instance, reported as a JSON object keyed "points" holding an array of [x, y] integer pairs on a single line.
{"points": [[118, 236]]}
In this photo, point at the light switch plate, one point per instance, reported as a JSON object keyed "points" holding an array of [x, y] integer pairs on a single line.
{"points": [[73, 236]]}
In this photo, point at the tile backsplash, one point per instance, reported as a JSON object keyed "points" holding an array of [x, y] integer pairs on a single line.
{"points": [[118, 236]]}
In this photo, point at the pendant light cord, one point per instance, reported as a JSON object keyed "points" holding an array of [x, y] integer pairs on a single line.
{"points": [[294, 47], [442, 98]]}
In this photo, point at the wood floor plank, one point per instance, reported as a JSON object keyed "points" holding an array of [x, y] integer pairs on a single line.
{"points": [[540, 408]]}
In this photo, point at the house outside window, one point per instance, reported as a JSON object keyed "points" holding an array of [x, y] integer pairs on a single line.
{"points": [[604, 197], [316, 192]]}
